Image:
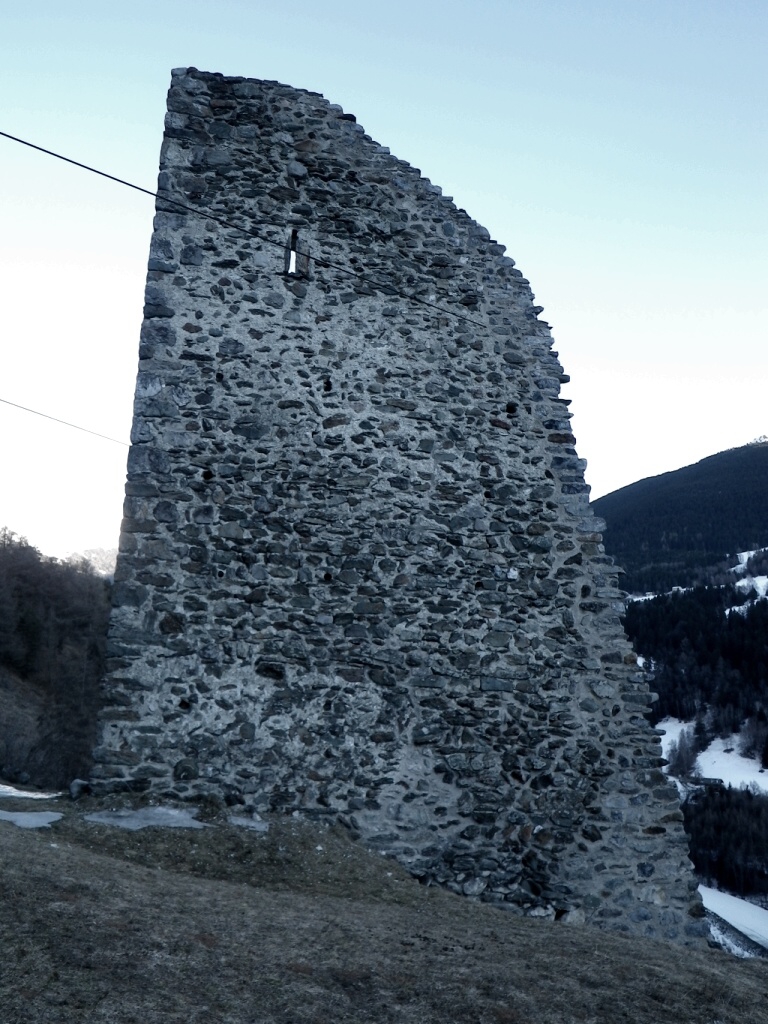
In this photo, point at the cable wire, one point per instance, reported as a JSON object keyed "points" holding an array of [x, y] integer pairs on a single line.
{"points": [[242, 230], [198, 211], [66, 423]]}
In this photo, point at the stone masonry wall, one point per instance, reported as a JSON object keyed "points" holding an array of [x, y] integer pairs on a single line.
{"points": [[358, 576]]}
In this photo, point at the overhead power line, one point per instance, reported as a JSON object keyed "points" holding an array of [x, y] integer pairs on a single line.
{"points": [[66, 423], [202, 212], [76, 163]]}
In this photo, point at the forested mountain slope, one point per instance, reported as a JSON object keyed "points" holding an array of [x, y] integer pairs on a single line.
{"points": [[53, 621], [706, 645], [707, 651], [708, 648], [674, 529]]}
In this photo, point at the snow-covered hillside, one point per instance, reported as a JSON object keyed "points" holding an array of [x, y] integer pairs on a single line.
{"points": [[721, 760]]}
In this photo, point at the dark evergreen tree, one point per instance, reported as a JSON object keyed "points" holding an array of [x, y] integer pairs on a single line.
{"points": [[53, 620], [728, 831], [704, 657]]}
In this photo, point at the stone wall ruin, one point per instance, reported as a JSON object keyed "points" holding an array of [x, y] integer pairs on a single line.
{"points": [[359, 578]]}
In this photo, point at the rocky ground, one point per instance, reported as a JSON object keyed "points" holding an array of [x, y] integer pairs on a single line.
{"points": [[301, 925]]}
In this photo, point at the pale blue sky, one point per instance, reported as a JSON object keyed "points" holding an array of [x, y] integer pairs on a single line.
{"points": [[616, 147]]}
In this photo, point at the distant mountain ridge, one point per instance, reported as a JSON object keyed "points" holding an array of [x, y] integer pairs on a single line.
{"points": [[102, 559], [675, 529]]}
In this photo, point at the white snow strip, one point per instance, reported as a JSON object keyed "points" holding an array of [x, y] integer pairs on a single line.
{"points": [[30, 819], [24, 794], [147, 817], [650, 595], [745, 917]]}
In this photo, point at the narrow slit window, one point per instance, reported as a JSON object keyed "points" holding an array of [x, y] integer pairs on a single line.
{"points": [[296, 256]]}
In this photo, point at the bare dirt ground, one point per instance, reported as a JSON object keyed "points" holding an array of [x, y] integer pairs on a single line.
{"points": [[301, 925]]}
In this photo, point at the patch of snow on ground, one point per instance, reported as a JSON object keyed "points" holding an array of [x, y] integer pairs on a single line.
{"points": [[745, 917], [727, 943], [30, 819], [254, 823], [670, 728], [738, 610], [25, 794], [721, 759], [743, 558], [758, 583], [147, 817], [732, 768]]}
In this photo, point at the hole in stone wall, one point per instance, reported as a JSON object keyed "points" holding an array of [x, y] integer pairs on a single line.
{"points": [[586, 591], [327, 385], [327, 577], [207, 474], [270, 670], [511, 409]]}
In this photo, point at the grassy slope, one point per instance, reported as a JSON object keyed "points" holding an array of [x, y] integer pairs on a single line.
{"points": [[224, 925]]}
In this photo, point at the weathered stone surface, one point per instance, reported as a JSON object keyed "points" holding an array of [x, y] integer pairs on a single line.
{"points": [[358, 575]]}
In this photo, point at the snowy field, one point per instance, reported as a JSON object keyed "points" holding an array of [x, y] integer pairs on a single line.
{"points": [[721, 759]]}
